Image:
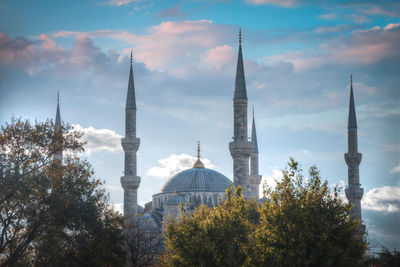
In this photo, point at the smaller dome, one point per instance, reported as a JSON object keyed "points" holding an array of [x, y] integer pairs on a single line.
{"points": [[175, 200], [148, 222]]}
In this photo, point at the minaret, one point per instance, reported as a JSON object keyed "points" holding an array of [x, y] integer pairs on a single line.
{"points": [[130, 181], [58, 129], [255, 177], [353, 192], [240, 148]]}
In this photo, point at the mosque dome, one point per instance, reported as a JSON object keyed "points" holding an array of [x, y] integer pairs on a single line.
{"points": [[197, 179]]}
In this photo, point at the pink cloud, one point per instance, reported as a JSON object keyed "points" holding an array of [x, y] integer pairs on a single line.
{"points": [[283, 3], [120, 2], [169, 46], [362, 47], [219, 56]]}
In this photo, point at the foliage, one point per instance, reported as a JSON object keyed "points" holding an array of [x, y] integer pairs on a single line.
{"points": [[211, 236], [52, 212], [384, 258], [144, 242], [301, 223]]}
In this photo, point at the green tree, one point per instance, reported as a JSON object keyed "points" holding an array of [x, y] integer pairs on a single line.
{"points": [[53, 212], [300, 223], [215, 236], [303, 223]]}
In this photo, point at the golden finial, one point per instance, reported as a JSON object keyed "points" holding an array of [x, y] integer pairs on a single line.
{"points": [[198, 163], [131, 56], [240, 35]]}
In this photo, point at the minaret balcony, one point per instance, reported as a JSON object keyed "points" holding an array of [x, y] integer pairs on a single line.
{"points": [[352, 158], [354, 192], [241, 148], [130, 182], [130, 144]]}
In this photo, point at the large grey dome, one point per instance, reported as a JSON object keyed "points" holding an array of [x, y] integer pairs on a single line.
{"points": [[197, 179]]}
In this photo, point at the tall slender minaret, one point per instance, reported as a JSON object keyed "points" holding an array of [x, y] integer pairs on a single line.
{"points": [[59, 137], [353, 192], [255, 177], [130, 181], [240, 148]]}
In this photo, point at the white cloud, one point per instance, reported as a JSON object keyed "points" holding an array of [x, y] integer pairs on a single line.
{"points": [[173, 164], [382, 199], [99, 139], [271, 178], [395, 169], [118, 207]]}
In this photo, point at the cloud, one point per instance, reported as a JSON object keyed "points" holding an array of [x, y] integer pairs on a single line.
{"points": [[120, 2], [99, 139], [395, 169], [271, 178], [219, 56], [382, 199], [361, 47], [118, 207], [174, 164], [171, 46], [282, 3], [174, 11], [330, 29], [328, 16]]}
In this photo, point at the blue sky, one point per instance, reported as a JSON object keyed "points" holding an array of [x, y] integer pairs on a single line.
{"points": [[298, 59]]}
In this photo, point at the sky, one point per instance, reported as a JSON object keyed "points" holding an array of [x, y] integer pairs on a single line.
{"points": [[298, 58]]}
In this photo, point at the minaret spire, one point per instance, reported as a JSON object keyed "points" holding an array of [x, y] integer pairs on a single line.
{"points": [[58, 132], [354, 192], [240, 82], [58, 115], [352, 122], [255, 177], [130, 99], [130, 181], [240, 148]]}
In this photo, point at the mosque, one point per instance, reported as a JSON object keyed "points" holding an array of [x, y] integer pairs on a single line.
{"points": [[200, 185]]}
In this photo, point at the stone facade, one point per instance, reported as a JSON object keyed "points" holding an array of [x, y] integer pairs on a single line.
{"points": [[354, 192]]}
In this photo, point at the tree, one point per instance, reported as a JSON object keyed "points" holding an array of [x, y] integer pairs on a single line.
{"points": [[144, 241], [303, 224], [215, 236], [53, 212], [300, 223]]}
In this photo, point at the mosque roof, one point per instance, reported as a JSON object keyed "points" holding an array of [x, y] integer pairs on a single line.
{"points": [[197, 179]]}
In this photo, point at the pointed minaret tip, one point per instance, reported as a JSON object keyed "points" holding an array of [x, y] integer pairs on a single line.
{"points": [[240, 81], [352, 122], [58, 115], [131, 58], [254, 134]]}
